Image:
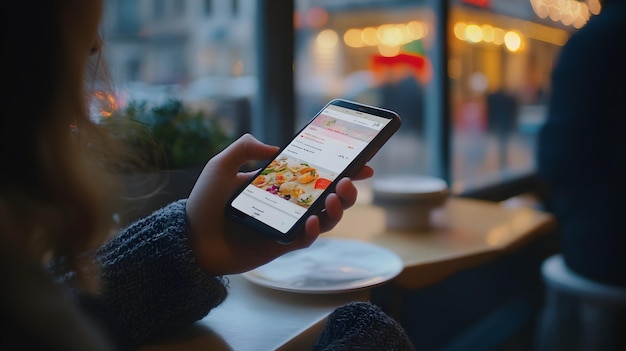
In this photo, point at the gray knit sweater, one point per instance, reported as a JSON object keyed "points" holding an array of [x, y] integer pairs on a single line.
{"points": [[152, 286], [151, 282]]}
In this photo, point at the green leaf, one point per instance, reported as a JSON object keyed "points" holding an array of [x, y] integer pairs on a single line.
{"points": [[186, 138]]}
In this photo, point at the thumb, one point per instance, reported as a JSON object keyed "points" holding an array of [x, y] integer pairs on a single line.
{"points": [[246, 148]]}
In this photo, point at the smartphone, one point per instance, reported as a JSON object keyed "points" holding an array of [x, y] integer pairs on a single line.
{"points": [[339, 140]]}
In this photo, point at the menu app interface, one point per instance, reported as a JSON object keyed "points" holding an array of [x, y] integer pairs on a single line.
{"points": [[283, 191]]}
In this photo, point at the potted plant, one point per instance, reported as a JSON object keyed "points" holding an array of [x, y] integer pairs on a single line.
{"points": [[169, 143]]}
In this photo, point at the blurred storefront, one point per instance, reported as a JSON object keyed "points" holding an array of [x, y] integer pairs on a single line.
{"points": [[469, 77], [498, 56]]}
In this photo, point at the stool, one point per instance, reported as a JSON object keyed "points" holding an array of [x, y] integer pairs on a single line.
{"points": [[578, 313]]}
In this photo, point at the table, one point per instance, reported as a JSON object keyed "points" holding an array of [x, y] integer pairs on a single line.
{"points": [[257, 318], [464, 233]]}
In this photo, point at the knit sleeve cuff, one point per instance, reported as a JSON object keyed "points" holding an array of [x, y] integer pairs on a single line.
{"points": [[152, 282]]}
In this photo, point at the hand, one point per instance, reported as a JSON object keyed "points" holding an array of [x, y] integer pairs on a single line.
{"points": [[223, 247]]}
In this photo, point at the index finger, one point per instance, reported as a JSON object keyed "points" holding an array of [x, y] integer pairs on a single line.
{"points": [[364, 173]]}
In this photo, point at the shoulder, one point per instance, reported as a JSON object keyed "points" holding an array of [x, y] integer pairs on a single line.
{"points": [[48, 319]]}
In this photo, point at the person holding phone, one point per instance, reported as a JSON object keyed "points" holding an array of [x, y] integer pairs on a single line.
{"points": [[335, 143], [68, 282]]}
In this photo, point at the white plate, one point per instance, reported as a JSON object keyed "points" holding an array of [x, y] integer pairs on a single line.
{"points": [[330, 265]]}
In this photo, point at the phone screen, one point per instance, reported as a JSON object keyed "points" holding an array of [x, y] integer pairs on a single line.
{"points": [[338, 137]]}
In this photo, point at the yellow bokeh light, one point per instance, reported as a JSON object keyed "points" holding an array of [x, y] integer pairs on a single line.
{"points": [[487, 32], [568, 12], [473, 33], [370, 36], [584, 11], [327, 38], [390, 35], [594, 6], [541, 9], [352, 38], [388, 51], [380, 31], [498, 36], [554, 14], [459, 30], [404, 30], [567, 18], [579, 22], [513, 41], [416, 30]]}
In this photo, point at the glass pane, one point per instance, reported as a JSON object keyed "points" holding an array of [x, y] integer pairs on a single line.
{"points": [[198, 53], [501, 55], [378, 52], [375, 52]]}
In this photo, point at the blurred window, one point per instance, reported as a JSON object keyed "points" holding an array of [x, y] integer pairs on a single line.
{"points": [[200, 52], [499, 64], [374, 52], [469, 78], [496, 58]]}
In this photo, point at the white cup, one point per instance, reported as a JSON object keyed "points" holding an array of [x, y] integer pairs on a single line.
{"points": [[409, 199]]}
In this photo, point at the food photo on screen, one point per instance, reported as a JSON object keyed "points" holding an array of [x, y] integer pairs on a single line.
{"points": [[294, 180]]}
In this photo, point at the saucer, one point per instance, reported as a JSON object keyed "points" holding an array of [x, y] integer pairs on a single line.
{"points": [[329, 265]]}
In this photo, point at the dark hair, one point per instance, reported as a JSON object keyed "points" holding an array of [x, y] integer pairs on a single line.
{"points": [[56, 191]]}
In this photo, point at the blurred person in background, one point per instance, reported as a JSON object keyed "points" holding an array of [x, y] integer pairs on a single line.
{"points": [[401, 91], [582, 147], [581, 157], [502, 109], [397, 83], [68, 282]]}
